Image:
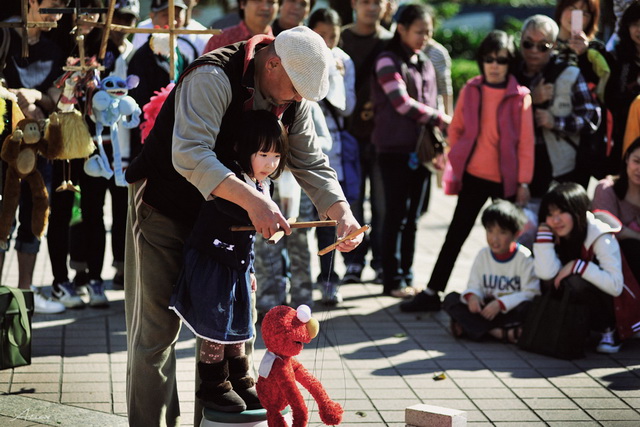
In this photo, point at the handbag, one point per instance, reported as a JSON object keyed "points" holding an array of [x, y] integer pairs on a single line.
{"points": [[556, 325], [16, 310], [452, 185], [431, 142]]}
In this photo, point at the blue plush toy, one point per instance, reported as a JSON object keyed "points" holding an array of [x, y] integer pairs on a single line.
{"points": [[110, 103]]}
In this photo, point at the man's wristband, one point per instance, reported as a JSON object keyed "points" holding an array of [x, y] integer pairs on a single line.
{"points": [[524, 185]]}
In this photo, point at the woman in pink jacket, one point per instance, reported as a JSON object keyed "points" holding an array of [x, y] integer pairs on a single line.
{"points": [[492, 148]]}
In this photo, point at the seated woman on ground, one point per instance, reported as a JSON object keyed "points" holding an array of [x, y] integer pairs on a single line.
{"points": [[576, 251]]}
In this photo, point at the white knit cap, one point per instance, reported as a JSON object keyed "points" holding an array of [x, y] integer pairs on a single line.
{"points": [[306, 58]]}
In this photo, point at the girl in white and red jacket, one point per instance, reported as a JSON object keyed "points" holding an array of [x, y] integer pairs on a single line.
{"points": [[573, 241]]}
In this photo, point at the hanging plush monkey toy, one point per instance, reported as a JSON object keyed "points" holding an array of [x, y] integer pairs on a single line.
{"points": [[20, 150], [109, 104]]}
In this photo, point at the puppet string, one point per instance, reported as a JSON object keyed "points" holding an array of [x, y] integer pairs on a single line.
{"points": [[328, 337]]}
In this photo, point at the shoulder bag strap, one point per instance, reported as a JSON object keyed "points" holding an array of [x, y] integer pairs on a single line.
{"points": [[19, 337], [334, 113]]}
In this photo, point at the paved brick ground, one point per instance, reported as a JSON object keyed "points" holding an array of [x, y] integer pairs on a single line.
{"points": [[373, 359]]}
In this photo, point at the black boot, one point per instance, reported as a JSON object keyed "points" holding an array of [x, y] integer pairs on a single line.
{"points": [[242, 382], [215, 391]]}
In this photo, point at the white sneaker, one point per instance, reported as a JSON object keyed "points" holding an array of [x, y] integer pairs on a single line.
{"points": [[43, 305], [97, 298], [66, 294], [609, 343]]}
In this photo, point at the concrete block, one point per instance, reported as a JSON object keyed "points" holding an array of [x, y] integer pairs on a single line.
{"points": [[422, 415]]}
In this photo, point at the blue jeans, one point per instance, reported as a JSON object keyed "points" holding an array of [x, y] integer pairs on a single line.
{"points": [[372, 240], [404, 191]]}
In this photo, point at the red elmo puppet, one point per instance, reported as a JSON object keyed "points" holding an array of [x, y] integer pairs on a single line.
{"points": [[285, 331]]}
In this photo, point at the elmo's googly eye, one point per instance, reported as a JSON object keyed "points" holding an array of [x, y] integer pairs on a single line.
{"points": [[304, 313]]}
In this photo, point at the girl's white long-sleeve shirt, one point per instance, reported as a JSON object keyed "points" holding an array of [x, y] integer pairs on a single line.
{"points": [[603, 269]]}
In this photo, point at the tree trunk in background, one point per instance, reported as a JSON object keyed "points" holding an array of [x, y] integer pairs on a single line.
{"points": [[343, 7]]}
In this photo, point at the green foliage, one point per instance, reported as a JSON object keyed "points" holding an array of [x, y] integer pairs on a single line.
{"points": [[446, 10], [512, 26], [460, 42], [461, 71]]}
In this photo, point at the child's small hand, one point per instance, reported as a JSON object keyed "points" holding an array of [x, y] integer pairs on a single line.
{"points": [[475, 306], [254, 282], [491, 310]]}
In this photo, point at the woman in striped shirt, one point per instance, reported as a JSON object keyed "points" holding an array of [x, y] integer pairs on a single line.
{"points": [[405, 98]]}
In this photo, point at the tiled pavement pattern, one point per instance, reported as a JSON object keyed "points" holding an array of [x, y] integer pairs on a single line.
{"points": [[373, 359]]}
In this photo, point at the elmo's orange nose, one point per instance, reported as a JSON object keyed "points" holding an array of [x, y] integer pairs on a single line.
{"points": [[313, 327]]}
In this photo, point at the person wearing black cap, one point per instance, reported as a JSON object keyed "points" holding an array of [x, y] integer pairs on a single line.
{"points": [[150, 62], [191, 45], [181, 166]]}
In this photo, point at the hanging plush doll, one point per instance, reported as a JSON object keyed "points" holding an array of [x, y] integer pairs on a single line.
{"points": [[76, 137], [285, 331], [109, 104], [20, 150]]}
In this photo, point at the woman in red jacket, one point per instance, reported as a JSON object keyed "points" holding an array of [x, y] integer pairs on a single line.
{"points": [[492, 148]]}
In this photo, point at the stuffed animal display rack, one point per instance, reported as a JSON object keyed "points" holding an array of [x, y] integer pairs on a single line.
{"points": [[285, 331]]}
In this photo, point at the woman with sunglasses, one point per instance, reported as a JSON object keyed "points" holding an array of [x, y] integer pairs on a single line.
{"points": [[491, 138], [624, 84], [576, 45]]}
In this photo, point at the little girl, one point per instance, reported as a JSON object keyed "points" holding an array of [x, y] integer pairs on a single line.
{"points": [[576, 249], [213, 293]]}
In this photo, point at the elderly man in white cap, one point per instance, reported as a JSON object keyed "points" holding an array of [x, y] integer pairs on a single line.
{"points": [[181, 166]]}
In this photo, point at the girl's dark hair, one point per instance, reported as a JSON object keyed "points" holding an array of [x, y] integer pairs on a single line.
{"points": [[571, 198], [621, 184], [261, 130], [505, 215], [494, 42], [626, 49], [406, 17], [592, 5], [326, 16]]}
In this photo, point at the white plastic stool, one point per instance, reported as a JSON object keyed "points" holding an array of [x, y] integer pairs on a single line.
{"points": [[255, 418]]}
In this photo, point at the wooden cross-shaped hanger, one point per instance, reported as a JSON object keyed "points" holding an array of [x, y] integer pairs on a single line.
{"points": [[108, 26]]}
